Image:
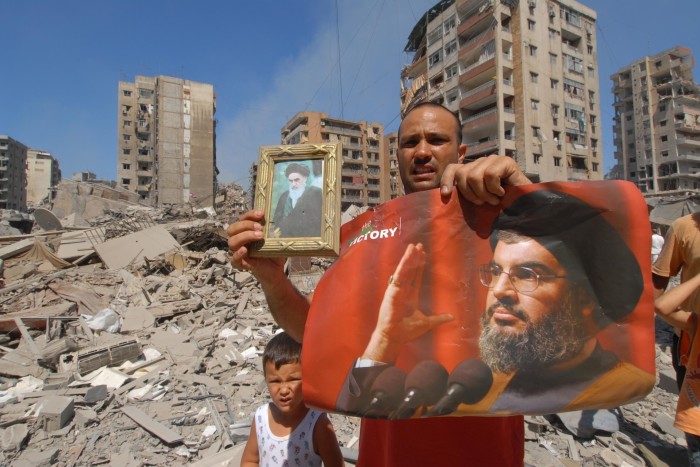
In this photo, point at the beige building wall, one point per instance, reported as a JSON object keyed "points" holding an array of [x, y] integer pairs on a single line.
{"points": [[13, 174], [365, 166], [657, 123], [391, 147], [523, 79], [43, 174], [166, 135]]}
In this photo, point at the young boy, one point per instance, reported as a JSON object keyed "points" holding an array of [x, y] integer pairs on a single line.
{"points": [[668, 307], [286, 432]]}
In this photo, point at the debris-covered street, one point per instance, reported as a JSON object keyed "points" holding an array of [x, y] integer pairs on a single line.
{"points": [[128, 339]]}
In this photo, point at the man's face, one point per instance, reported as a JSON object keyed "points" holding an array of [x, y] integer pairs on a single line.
{"points": [[427, 144], [296, 181], [536, 329]]}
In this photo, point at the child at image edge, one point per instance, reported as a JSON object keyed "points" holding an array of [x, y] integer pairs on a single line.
{"points": [[669, 307], [286, 432]]}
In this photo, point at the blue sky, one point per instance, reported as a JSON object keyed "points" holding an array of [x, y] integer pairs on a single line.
{"points": [[267, 60]]}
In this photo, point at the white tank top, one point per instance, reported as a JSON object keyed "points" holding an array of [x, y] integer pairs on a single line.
{"points": [[296, 449]]}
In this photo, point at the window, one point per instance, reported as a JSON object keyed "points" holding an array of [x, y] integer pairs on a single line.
{"points": [[127, 123], [536, 131], [662, 123], [126, 137], [555, 111], [434, 35], [452, 97], [451, 72], [126, 151], [537, 158], [126, 181], [126, 166], [553, 59], [658, 64], [571, 17], [664, 153], [573, 112], [595, 166], [664, 138], [553, 83], [573, 64], [534, 104], [662, 108], [633, 174], [557, 162], [126, 93], [533, 77], [589, 49], [450, 23], [533, 50], [451, 47], [435, 58], [552, 33], [146, 93], [531, 25]]}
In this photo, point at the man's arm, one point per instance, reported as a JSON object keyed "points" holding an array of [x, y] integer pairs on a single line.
{"points": [[481, 181], [667, 306], [288, 306]]}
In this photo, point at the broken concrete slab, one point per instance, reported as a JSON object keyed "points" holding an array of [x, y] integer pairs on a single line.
{"points": [[55, 412], [167, 435], [14, 437], [123, 251]]}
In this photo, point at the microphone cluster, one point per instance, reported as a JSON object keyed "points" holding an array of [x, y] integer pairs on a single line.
{"points": [[396, 395]]}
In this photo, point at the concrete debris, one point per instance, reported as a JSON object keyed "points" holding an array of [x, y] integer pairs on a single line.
{"points": [[179, 382]]}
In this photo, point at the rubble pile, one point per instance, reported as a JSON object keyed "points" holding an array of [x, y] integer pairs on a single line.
{"points": [[134, 342]]}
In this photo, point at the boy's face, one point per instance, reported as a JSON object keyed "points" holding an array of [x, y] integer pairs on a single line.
{"points": [[284, 384]]}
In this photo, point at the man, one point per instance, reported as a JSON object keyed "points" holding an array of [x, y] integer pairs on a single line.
{"points": [[548, 298], [680, 253], [429, 155], [298, 211]]}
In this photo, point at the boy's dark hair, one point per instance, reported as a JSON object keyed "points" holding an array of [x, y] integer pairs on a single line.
{"points": [[281, 350]]}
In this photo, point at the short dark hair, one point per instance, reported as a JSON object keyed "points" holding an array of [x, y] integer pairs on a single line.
{"points": [[417, 105], [280, 350], [295, 168]]}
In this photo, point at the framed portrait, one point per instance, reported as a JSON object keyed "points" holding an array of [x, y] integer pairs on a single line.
{"points": [[298, 189]]}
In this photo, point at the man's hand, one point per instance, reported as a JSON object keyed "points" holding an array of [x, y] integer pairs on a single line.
{"points": [[244, 232], [481, 181], [399, 319]]}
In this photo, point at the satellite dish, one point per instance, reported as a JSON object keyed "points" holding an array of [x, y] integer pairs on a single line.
{"points": [[47, 220]]}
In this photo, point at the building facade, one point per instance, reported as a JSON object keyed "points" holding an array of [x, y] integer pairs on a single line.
{"points": [[391, 148], [521, 74], [166, 135], [365, 166], [43, 176], [657, 123], [13, 174]]}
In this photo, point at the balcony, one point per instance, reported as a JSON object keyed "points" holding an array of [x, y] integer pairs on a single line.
{"points": [[687, 141], [469, 21], [577, 174], [472, 45], [479, 96], [487, 65], [481, 121], [341, 129], [484, 147]]}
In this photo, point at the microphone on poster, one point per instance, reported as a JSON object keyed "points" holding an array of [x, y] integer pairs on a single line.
{"points": [[468, 383], [424, 386], [386, 392]]}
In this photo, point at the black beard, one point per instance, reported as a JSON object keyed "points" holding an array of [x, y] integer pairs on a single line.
{"points": [[558, 336]]}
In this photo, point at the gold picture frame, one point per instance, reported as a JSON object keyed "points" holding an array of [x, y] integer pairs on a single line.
{"points": [[299, 222]]}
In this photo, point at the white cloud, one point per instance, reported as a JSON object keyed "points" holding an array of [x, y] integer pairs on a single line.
{"points": [[372, 36]]}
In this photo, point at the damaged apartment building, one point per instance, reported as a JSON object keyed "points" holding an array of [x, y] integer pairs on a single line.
{"points": [[521, 74], [166, 135], [657, 123]]}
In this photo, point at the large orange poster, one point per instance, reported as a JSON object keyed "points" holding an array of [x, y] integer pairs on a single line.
{"points": [[541, 305]]}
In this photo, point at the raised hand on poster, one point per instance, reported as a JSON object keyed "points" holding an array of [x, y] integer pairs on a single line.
{"points": [[400, 320]]}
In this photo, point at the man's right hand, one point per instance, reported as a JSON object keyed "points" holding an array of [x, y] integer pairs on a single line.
{"points": [[241, 234]]}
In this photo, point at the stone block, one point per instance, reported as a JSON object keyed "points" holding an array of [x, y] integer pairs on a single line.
{"points": [[55, 412]]}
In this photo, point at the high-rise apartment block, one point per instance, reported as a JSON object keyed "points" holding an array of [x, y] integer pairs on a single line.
{"points": [[43, 175], [391, 148], [521, 74], [13, 174], [166, 140], [657, 123], [365, 167]]}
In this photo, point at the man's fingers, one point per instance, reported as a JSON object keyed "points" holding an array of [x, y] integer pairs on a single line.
{"points": [[437, 320]]}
